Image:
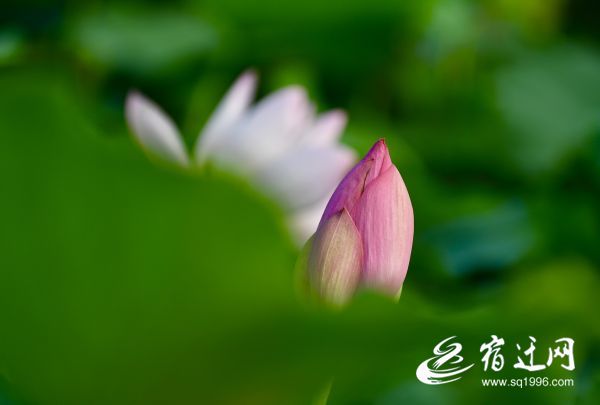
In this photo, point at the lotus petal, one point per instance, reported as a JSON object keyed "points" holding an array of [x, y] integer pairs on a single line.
{"points": [[384, 218], [335, 258], [306, 175], [229, 111], [326, 130], [154, 130]]}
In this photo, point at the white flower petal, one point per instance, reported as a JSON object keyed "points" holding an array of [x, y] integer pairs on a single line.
{"points": [[267, 131], [306, 175], [303, 223], [154, 130], [327, 129], [228, 112]]}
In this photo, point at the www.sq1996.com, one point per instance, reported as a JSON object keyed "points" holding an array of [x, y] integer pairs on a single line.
{"points": [[447, 365], [528, 382]]}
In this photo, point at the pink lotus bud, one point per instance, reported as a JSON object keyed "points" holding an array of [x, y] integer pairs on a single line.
{"points": [[365, 235]]}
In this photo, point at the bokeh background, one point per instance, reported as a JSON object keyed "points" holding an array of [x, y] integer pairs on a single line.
{"points": [[122, 282]]}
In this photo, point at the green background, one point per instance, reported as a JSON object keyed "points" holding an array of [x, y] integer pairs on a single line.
{"points": [[122, 282]]}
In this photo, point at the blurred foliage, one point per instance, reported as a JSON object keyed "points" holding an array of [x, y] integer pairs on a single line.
{"points": [[551, 100], [11, 43], [124, 282], [140, 41]]}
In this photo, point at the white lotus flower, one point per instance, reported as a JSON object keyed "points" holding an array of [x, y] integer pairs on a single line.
{"points": [[279, 143]]}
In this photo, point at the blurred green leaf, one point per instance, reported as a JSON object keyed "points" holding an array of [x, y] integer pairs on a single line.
{"points": [[11, 44], [451, 27], [116, 274], [141, 40], [551, 100], [418, 393], [490, 241]]}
